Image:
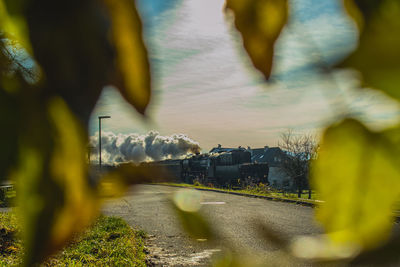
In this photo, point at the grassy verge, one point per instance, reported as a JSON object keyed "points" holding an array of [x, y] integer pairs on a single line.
{"points": [[255, 191], [10, 245], [109, 242]]}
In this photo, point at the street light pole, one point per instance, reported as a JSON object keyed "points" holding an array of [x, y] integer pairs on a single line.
{"points": [[100, 118]]}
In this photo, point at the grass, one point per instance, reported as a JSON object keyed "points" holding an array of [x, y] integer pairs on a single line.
{"points": [[257, 190], [10, 245], [304, 196], [109, 242]]}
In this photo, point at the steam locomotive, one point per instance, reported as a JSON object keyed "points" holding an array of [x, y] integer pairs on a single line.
{"points": [[231, 168]]}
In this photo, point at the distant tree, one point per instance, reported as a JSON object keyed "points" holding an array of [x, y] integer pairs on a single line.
{"points": [[300, 150]]}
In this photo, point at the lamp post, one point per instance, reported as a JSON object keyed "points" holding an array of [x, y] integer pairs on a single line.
{"points": [[100, 118]]}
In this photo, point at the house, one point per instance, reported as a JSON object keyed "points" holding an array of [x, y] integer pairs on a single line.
{"points": [[274, 156]]}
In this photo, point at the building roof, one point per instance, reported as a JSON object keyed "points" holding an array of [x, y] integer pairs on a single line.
{"points": [[271, 155], [220, 149]]}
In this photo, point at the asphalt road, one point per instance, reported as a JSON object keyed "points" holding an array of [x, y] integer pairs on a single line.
{"points": [[148, 207]]}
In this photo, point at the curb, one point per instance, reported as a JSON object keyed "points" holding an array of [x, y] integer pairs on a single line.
{"points": [[298, 202]]}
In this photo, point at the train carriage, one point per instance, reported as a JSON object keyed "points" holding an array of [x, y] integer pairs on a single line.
{"points": [[233, 168]]}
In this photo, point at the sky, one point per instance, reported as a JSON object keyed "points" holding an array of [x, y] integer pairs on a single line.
{"points": [[205, 87]]}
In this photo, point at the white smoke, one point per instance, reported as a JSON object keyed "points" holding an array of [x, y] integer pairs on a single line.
{"points": [[137, 148]]}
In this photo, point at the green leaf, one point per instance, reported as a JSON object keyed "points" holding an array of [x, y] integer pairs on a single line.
{"points": [[357, 174], [260, 23], [133, 76], [377, 56], [55, 200]]}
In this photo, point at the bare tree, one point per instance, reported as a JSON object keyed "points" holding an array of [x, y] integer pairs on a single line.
{"points": [[300, 150]]}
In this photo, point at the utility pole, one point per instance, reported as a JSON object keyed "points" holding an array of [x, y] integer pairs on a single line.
{"points": [[100, 118]]}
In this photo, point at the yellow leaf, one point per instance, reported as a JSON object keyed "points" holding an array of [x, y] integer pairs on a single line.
{"points": [[260, 23], [354, 13], [377, 56], [357, 174], [55, 199], [68, 168], [14, 27], [134, 81]]}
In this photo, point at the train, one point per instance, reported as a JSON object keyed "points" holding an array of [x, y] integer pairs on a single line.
{"points": [[226, 169]]}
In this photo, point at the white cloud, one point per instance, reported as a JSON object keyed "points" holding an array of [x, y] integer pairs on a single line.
{"points": [[117, 148]]}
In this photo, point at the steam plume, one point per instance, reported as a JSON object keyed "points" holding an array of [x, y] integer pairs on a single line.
{"points": [[138, 148]]}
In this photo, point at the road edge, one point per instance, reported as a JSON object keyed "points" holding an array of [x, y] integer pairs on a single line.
{"points": [[298, 202]]}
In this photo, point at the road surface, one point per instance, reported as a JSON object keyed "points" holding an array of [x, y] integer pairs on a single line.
{"points": [[148, 207]]}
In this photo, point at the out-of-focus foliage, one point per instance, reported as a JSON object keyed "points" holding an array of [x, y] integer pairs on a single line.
{"points": [[235, 259], [13, 23], [80, 46], [260, 23], [186, 203], [357, 174], [71, 43], [55, 199], [116, 182], [11, 82], [195, 225], [133, 77], [69, 169], [8, 155], [377, 56]]}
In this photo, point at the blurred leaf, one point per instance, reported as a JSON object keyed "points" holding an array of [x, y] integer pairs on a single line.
{"points": [[241, 258], [9, 120], [54, 196], [194, 224], [357, 174], [68, 168], [322, 249], [387, 255], [354, 13], [377, 56], [133, 79], [71, 43], [271, 236], [117, 181], [229, 259], [14, 24], [10, 85], [260, 23]]}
